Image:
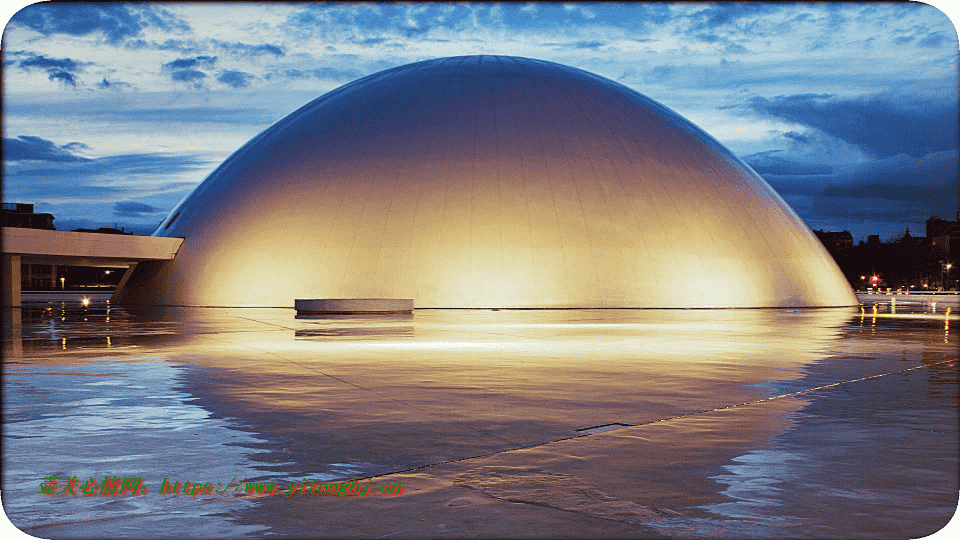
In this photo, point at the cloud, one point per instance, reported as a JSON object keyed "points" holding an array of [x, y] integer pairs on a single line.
{"points": [[43, 62], [188, 69], [245, 49], [58, 69], [324, 73], [235, 79], [900, 189], [177, 113], [811, 152], [772, 163], [112, 166], [883, 125], [111, 177], [133, 208], [407, 25], [113, 21], [64, 77], [729, 14], [370, 41], [187, 75], [114, 85], [593, 45], [75, 146], [235, 49], [27, 147], [935, 39], [186, 46], [202, 62]]}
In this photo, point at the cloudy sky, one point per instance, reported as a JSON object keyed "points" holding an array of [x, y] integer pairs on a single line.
{"points": [[113, 112]]}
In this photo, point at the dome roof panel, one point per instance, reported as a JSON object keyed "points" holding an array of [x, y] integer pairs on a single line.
{"points": [[473, 182]]}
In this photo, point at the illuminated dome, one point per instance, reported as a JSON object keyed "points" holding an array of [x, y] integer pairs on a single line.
{"points": [[488, 181]]}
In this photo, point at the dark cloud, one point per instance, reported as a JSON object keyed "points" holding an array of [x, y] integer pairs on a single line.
{"points": [[187, 75], [108, 112], [126, 164], [736, 48], [192, 46], [64, 77], [246, 49], [728, 14], [326, 73], [157, 17], [27, 147], [359, 23], [899, 177], [594, 45], [187, 46], [114, 21], [75, 147], [936, 39], [410, 32], [133, 208], [43, 62], [58, 69], [100, 219], [802, 138], [201, 62], [580, 45], [119, 177], [370, 41], [235, 79], [188, 69], [899, 189], [634, 17], [112, 85], [772, 163], [880, 125]]}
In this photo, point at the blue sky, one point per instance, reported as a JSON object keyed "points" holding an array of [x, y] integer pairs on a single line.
{"points": [[113, 112]]}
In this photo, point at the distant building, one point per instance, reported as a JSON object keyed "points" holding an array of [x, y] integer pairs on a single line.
{"points": [[910, 263], [944, 236], [32, 276], [22, 216], [104, 230], [835, 241]]}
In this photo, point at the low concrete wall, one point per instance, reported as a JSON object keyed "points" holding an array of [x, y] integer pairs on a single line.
{"points": [[950, 299], [322, 306], [65, 296]]}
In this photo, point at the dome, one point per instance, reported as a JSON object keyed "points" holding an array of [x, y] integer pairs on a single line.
{"points": [[488, 181]]}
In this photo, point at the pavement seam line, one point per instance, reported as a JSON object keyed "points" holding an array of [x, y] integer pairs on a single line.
{"points": [[772, 398], [544, 443]]}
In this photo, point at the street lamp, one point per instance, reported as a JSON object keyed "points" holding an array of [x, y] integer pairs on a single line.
{"points": [[61, 282]]}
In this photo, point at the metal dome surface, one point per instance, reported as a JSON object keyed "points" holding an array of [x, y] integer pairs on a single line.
{"points": [[488, 181]]}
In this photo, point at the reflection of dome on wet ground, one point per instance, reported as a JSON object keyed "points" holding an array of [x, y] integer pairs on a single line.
{"points": [[487, 181]]}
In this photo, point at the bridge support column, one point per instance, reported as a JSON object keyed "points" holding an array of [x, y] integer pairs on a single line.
{"points": [[11, 280], [123, 281]]}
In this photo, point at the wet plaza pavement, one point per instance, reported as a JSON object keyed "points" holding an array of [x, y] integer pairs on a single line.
{"points": [[513, 423]]}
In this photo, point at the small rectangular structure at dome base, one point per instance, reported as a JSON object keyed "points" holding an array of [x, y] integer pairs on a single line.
{"points": [[328, 306]]}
